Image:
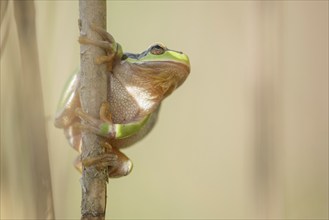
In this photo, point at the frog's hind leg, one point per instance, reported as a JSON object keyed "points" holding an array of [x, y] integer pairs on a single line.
{"points": [[70, 100], [123, 164], [118, 164], [74, 137]]}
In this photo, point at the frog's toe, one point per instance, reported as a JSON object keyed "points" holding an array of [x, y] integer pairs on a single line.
{"points": [[98, 43], [103, 33], [101, 161]]}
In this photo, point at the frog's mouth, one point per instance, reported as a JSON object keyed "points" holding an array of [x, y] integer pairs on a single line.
{"points": [[165, 67]]}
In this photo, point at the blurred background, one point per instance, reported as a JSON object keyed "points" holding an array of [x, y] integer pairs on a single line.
{"points": [[245, 137]]}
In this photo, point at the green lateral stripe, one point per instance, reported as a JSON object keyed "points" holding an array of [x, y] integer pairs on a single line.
{"points": [[104, 129], [126, 130]]}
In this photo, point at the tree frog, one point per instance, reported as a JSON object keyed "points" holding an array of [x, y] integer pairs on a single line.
{"points": [[138, 83]]}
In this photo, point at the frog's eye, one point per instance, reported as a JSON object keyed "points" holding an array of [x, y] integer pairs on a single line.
{"points": [[157, 50]]}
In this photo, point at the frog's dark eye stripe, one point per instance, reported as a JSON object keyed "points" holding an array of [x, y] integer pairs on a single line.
{"points": [[130, 55], [124, 57], [157, 50]]}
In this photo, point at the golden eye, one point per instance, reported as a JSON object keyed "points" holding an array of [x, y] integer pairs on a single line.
{"points": [[157, 50]]}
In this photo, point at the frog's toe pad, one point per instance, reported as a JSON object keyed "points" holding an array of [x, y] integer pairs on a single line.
{"points": [[123, 169]]}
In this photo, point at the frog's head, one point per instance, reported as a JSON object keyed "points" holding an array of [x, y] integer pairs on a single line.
{"points": [[158, 70]]}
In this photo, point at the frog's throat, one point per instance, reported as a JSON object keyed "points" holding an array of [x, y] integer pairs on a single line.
{"points": [[150, 84]]}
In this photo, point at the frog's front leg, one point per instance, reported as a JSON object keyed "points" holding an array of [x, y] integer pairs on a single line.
{"points": [[108, 44]]}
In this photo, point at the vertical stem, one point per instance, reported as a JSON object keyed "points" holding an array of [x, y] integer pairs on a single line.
{"points": [[31, 127], [93, 91], [267, 185]]}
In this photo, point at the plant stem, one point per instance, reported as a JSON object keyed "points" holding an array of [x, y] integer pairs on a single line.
{"points": [[31, 129], [93, 91]]}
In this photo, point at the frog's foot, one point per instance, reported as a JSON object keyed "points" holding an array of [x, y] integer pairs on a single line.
{"points": [[123, 165], [103, 126], [118, 164]]}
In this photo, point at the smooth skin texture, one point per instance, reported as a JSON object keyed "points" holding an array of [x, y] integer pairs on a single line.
{"points": [[137, 85]]}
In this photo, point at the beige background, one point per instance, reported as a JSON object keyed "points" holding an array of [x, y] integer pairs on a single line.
{"points": [[246, 136]]}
